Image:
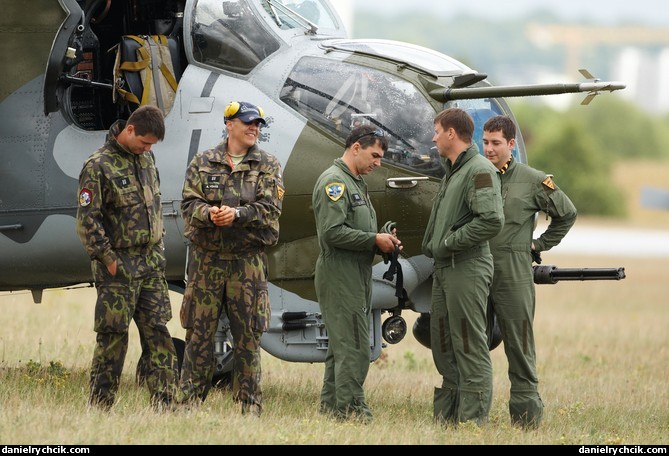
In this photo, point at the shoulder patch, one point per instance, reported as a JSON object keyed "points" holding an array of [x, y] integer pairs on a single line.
{"points": [[335, 190], [482, 180], [548, 182], [85, 197], [280, 191]]}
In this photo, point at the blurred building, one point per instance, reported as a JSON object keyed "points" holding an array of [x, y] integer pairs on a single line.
{"points": [[642, 61], [647, 76]]}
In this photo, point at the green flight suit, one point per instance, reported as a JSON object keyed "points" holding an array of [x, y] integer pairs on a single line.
{"points": [[525, 191], [346, 226], [466, 213]]}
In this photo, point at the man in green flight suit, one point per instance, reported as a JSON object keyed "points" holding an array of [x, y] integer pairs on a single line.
{"points": [[348, 237], [525, 192], [466, 213]]}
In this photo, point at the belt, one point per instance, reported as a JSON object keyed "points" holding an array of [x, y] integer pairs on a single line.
{"points": [[474, 252]]}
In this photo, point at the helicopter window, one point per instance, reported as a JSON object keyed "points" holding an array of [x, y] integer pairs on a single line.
{"points": [[228, 35], [339, 96], [481, 111], [312, 10]]}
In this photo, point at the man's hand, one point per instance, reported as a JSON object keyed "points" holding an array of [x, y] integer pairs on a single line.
{"points": [[386, 242], [222, 216], [536, 256]]}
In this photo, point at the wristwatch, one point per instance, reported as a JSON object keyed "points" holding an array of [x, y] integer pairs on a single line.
{"points": [[236, 213]]}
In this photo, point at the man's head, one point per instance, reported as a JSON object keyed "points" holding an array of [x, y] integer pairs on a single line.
{"points": [[144, 128], [243, 119], [499, 139], [453, 130], [365, 147]]}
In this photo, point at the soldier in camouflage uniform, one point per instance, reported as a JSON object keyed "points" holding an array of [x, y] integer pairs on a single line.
{"points": [[119, 222], [525, 192], [348, 237], [232, 198]]}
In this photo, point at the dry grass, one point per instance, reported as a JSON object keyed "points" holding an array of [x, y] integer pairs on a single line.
{"points": [[603, 362], [602, 350]]}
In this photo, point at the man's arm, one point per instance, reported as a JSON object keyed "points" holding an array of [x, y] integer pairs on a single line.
{"points": [[90, 227], [485, 202], [194, 205], [562, 213]]}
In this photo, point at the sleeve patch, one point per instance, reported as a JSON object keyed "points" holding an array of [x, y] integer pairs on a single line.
{"points": [[335, 190], [548, 182], [85, 197], [483, 180]]}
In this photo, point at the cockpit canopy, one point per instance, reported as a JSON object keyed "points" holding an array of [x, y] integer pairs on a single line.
{"points": [[232, 35], [339, 95]]}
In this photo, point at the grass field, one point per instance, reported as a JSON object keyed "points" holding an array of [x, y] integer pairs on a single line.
{"points": [[603, 364]]}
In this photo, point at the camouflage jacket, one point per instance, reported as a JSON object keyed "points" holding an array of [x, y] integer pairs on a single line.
{"points": [[254, 186], [119, 200]]}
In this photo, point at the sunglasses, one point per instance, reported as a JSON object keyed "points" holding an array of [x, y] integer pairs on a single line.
{"points": [[378, 133]]}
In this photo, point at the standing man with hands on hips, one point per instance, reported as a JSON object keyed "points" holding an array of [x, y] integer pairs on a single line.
{"points": [[232, 199], [525, 192]]}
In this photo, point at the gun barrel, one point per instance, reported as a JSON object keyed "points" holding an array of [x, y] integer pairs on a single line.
{"points": [[550, 274]]}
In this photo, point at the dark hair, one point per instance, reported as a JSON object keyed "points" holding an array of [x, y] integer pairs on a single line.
{"points": [[458, 120], [148, 119], [367, 135], [504, 123]]}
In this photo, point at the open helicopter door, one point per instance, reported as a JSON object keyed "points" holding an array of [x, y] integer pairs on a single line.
{"points": [[72, 76], [61, 53]]}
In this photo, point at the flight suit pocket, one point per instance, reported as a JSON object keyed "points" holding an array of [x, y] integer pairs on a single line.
{"points": [[560, 204], [446, 246], [486, 200]]}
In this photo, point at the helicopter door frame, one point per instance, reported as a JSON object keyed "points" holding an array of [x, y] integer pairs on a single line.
{"points": [[59, 52]]}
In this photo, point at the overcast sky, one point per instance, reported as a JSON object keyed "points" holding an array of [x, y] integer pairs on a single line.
{"points": [[652, 12]]}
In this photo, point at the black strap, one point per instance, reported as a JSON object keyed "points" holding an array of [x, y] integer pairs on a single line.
{"points": [[396, 268]]}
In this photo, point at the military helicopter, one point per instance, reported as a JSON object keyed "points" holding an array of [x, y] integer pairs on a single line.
{"points": [[85, 63]]}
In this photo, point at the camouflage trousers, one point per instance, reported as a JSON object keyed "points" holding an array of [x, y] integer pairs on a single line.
{"points": [[137, 292], [237, 287]]}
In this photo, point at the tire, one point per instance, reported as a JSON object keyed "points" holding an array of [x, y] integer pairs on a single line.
{"points": [[143, 364]]}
